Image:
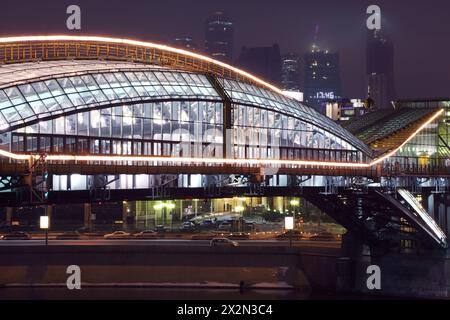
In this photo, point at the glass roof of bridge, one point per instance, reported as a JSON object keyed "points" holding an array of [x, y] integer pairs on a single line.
{"points": [[37, 90], [14, 73]]}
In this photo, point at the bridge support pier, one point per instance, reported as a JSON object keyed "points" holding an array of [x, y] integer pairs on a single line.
{"points": [[9, 213]]}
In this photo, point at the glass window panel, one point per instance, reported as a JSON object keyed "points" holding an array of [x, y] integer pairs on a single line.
{"points": [[14, 95], [99, 96], [122, 79], [90, 82], [131, 92], [67, 85], [169, 76], [83, 122], [100, 79], [121, 93], [110, 94], [88, 97], [71, 124], [28, 92], [11, 114], [79, 84], [159, 76], [4, 100], [113, 82], [132, 78], [53, 87], [142, 78], [76, 99], [64, 102]]}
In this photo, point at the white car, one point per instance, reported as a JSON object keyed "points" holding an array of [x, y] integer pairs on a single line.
{"points": [[117, 235], [223, 242]]}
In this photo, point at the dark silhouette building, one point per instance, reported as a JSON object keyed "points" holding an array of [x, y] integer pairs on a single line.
{"points": [[219, 37], [322, 78], [290, 72], [262, 61], [185, 43], [380, 70]]}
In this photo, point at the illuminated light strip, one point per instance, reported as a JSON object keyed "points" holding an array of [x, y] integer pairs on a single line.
{"points": [[203, 160], [146, 45], [15, 156], [390, 154], [266, 162]]}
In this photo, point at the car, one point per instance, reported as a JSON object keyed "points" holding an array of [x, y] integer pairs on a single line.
{"points": [[160, 228], [188, 227], [16, 235], [290, 235], [146, 234], [223, 242], [207, 224], [70, 235], [117, 235], [324, 236], [225, 226]]}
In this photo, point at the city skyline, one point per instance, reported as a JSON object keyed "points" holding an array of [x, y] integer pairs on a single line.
{"points": [[288, 23]]}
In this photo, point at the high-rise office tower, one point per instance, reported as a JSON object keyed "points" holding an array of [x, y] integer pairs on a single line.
{"points": [[322, 78], [262, 61], [219, 37], [290, 72], [380, 69]]}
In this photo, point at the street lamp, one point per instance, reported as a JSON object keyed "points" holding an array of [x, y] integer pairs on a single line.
{"points": [[44, 223]]}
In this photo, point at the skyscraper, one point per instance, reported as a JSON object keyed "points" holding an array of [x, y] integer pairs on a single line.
{"points": [[380, 69], [262, 61], [185, 43], [322, 78], [219, 37], [290, 72]]}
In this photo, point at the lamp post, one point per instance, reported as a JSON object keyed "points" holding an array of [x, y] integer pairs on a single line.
{"points": [[289, 226], [44, 223], [240, 210], [294, 203]]}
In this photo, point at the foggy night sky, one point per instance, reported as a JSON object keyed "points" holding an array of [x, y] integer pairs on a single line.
{"points": [[420, 30]]}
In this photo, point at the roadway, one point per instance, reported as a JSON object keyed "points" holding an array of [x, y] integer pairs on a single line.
{"points": [[169, 242]]}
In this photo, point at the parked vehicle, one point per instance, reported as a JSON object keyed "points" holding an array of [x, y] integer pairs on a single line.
{"points": [[188, 227], [146, 234], [16, 235], [290, 235], [160, 229], [324, 236], [117, 235], [207, 224], [70, 235], [223, 242]]}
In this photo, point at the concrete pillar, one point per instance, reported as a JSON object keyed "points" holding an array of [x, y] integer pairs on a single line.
{"points": [[125, 208], [9, 213], [87, 215]]}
